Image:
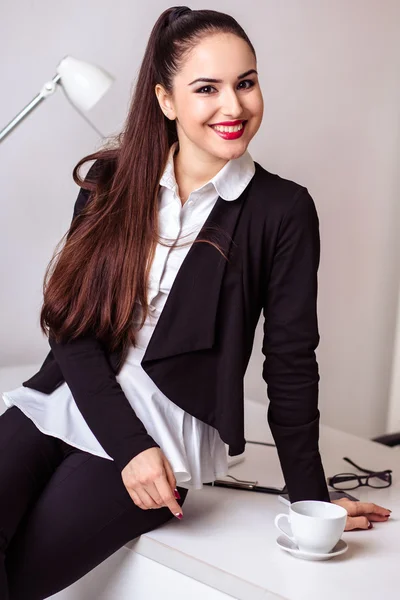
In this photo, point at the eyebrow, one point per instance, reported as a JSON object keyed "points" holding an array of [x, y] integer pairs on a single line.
{"points": [[209, 80]]}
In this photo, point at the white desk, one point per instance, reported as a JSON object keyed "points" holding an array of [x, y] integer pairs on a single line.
{"points": [[226, 539]]}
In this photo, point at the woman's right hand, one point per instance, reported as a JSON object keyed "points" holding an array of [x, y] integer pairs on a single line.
{"points": [[150, 481]]}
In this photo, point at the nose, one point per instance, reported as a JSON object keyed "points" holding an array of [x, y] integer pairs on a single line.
{"points": [[232, 106]]}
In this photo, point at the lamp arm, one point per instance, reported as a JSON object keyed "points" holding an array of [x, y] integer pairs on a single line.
{"points": [[47, 90]]}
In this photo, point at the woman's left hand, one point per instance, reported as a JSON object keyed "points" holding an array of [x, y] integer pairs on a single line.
{"points": [[361, 514]]}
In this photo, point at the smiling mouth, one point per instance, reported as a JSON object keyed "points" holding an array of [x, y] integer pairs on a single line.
{"points": [[229, 128]]}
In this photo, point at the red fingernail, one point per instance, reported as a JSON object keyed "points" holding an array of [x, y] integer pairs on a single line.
{"points": [[179, 515], [177, 494], [370, 526]]}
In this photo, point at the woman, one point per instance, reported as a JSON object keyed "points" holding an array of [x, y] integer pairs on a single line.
{"points": [[122, 413]]}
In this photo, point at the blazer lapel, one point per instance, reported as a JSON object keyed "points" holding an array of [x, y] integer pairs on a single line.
{"points": [[187, 321]]}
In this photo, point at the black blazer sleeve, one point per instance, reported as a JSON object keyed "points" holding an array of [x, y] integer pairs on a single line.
{"points": [[97, 393], [291, 336]]}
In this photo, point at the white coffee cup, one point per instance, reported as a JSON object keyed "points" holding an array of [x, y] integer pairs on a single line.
{"points": [[317, 526]]}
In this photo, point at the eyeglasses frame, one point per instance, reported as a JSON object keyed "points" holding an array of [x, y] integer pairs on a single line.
{"points": [[379, 474]]}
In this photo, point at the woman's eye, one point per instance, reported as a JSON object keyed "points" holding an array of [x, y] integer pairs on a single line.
{"points": [[204, 88], [208, 87], [250, 81]]}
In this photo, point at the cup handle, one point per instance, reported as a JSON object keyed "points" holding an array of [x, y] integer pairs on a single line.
{"points": [[276, 522]]}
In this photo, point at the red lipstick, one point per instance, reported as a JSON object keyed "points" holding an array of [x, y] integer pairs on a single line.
{"points": [[230, 135]]}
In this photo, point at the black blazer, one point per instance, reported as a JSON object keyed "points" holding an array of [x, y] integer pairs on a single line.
{"points": [[199, 351]]}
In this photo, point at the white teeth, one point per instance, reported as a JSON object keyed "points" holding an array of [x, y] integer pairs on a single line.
{"points": [[228, 129]]}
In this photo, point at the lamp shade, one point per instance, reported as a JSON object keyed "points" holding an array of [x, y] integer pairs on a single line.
{"points": [[83, 82]]}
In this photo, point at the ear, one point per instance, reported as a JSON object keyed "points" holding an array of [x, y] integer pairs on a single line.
{"points": [[164, 101]]}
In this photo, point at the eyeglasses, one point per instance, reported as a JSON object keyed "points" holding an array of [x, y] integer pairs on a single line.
{"points": [[350, 481]]}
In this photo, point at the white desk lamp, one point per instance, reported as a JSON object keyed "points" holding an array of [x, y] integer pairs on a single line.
{"points": [[83, 83]]}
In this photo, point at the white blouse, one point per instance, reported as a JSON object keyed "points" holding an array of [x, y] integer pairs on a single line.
{"points": [[194, 449]]}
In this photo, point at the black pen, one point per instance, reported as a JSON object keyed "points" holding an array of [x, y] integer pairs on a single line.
{"points": [[252, 487]]}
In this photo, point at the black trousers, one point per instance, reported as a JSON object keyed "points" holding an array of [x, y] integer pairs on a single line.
{"points": [[62, 511]]}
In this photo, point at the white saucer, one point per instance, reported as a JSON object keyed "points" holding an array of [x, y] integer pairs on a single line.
{"points": [[286, 544]]}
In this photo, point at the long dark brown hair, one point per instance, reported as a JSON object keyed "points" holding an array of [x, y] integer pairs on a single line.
{"points": [[104, 265]]}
